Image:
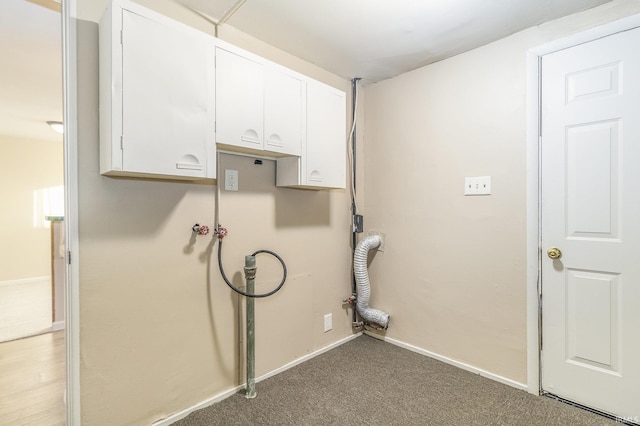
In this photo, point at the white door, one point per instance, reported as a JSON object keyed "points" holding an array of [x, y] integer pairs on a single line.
{"points": [[591, 213]]}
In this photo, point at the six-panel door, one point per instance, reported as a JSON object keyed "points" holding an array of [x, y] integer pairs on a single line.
{"points": [[590, 213]]}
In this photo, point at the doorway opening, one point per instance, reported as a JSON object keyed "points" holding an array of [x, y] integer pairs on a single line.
{"points": [[32, 229]]}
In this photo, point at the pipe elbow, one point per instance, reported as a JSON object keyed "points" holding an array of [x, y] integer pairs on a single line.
{"points": [[375, 317], [369, 315]]}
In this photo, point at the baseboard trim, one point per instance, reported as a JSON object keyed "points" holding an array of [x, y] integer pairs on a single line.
{"points": [[451, 361], [57, 326], [204, 404], [25, 281], [226, 394]]}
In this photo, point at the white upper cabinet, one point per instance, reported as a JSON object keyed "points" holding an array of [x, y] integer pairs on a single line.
{"points": [[283, 112], [259, 106], [171, 95], [323, 160], [157, 96], [239, 101], [326, 135]]}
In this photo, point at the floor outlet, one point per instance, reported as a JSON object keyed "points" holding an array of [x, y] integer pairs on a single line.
{"points": [[328, 322]]}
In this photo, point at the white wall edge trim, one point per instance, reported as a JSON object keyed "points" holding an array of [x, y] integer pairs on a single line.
{"points": [[451, 361], [204, 404], [534, 56], [226, 394], [533, 231], [72, 280], [25, 281]]}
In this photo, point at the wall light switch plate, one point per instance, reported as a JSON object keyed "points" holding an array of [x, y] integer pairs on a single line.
{"points": [[230, 180], [479, 185]]}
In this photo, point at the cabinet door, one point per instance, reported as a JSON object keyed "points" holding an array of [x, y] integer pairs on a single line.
{"points": [[239, 101], [324, 162], [282, 113], [167, 99]]}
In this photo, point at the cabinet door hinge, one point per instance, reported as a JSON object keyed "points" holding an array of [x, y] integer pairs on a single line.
{"points": [[69, 257], [121, 36], [121, 143]]}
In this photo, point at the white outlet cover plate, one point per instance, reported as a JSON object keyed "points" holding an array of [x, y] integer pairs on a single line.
{"points": [[328, 322], [230, 180], [479, 185]]}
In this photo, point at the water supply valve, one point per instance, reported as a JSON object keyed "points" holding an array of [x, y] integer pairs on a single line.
{"points": [[221, 232], [200, 229], [350, 300]]}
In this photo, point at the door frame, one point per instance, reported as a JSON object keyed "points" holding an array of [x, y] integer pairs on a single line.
{"points": [[534, 188], [72, 286]]}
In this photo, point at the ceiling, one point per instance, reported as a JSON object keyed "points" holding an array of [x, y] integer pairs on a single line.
{"points": [[31, 71], [372, 39], [379, 39]]}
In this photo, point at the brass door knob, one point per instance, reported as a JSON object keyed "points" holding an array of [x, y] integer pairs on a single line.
{"points": [[554, 253]]}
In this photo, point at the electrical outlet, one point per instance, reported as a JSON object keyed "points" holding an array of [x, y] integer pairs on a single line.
{"points": [[480, 185], [328, 322], [230, 180]]}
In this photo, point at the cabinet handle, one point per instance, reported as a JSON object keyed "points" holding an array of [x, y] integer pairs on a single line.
{"points": [[186, 166], [315, 176], [274, 140], [252, 138], [248, 139]]}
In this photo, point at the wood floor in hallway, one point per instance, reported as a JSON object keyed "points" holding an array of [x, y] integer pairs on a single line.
{"points": [[32, 380]]}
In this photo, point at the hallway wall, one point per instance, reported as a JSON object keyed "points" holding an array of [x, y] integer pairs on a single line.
{"points": [[26, 247]]}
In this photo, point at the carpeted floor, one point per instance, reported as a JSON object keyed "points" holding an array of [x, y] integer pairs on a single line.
{"points": [[369, 382]]}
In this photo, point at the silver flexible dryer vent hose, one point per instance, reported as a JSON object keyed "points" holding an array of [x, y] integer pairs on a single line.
{"points": [[369, 315]]}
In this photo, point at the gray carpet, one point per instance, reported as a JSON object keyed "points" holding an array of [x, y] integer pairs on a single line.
{"points": [[370, 382]]}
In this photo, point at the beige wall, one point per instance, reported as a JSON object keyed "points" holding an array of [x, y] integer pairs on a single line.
{"points": [[26, 166], [453, 273], [159, 328]]}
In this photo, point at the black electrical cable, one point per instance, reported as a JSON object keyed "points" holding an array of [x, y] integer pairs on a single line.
{"points": [[237, 290]]}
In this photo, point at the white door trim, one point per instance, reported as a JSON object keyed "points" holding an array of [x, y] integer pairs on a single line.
{"points": [[534, 57], [72, 286]]}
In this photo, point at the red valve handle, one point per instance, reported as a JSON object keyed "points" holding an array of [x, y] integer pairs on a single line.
{"points": [[201, 229], [221, 232]]}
